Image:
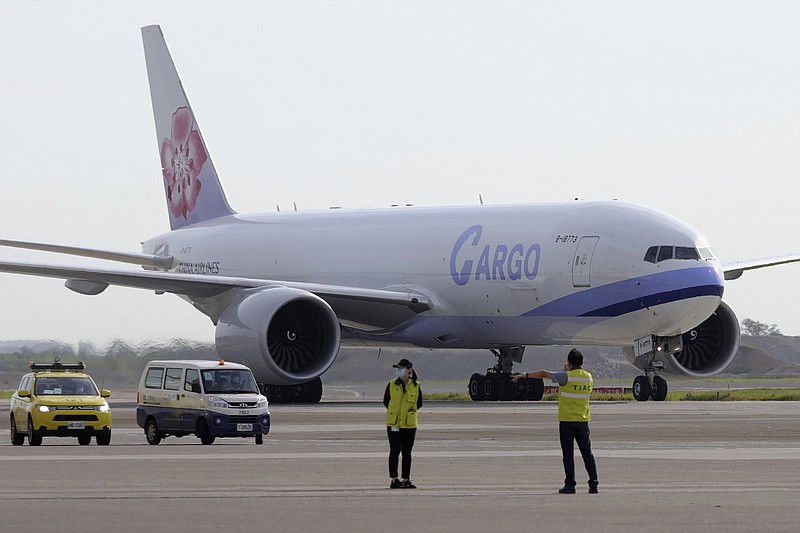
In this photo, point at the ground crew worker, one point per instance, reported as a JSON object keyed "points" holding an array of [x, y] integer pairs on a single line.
{"points": [[402, 398], [574, 391]]}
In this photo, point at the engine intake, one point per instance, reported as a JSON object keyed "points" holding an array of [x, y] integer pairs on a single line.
{"points": [[708, 349], [284, 335]]}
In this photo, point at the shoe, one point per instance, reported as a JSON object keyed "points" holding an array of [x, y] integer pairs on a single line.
{"points": [[408, 485], [397, 484], [566, 489], [593, 490]]}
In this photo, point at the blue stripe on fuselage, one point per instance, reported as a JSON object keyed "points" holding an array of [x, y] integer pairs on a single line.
{"points": [[616, 299]]}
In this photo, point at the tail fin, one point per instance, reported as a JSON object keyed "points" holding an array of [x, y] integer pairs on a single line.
{"points": [[194, 192]]}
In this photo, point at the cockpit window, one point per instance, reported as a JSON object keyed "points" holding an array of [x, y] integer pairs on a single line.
{"points": [[665, 252], [706, 253], [656, 254], [684, 252]]}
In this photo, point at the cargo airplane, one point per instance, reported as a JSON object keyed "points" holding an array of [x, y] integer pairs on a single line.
{"points": [[286, 289]]}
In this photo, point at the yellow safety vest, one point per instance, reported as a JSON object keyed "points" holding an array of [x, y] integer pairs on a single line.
{"points": [[402, 411], [573, 398]]}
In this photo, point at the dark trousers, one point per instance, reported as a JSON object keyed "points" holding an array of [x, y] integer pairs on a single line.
{"points": [[400, 441], [578, 432]]}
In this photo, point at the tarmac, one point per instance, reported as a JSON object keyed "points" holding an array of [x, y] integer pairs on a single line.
{"points": [[666, 466]]}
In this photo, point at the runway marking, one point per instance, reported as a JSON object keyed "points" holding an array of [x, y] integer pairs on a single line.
{"points": [[696, 454], [433, 490]]}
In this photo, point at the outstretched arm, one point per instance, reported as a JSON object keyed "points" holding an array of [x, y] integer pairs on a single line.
{"points": [[537, 374]]}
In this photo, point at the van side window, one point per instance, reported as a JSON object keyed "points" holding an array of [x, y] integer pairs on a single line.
{"points": [[192, 383], [173, 381], [154, 378]]}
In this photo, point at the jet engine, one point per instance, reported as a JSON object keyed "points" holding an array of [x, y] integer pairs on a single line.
{"points": [[285, 335], [703, 351]]}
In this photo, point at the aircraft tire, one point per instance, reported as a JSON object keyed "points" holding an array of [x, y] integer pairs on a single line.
{"points": [[490, 388], [314, 391], [535, 388], [659, 393], [641, 389], [278, 394], [475, 387], [507, 389]]}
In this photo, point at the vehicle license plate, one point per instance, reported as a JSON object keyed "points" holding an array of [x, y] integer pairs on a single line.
{"points": [[244, 427], [76, 425]]}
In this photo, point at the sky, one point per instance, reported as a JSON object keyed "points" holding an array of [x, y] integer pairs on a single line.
{"points": [[689, 107]]}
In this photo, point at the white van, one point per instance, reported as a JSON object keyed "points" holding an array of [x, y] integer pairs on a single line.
{"points": [[207, 398]]}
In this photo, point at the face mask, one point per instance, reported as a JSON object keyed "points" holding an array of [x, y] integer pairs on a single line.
{"points": [[400, 372]]}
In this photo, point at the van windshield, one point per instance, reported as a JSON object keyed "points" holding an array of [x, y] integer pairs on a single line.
{"points": [[224, 381]]}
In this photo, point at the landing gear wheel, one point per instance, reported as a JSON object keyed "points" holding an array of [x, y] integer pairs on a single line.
{"points": [[505, 389], [259, 439], [17, 439], [490, 388], [203, 433], [534, 389], [641, 388], [84, 440], [476, 387], [104, 438], [34, 437], [278, 394], [151, 432], [314, 391], [659, 393]]}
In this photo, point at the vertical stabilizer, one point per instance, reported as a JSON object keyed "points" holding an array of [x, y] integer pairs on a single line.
{"points": [[194, 192]]}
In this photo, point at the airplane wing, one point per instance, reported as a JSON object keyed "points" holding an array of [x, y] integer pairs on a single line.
{"points": [[352, 305], [735, 270], [144, 260]]}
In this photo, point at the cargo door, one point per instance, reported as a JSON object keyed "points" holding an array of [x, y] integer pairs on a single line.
{"points": [[582, 265]]}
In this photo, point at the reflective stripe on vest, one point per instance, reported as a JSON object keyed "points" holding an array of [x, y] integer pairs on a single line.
{"points": [[402, 411], [573, 398]]}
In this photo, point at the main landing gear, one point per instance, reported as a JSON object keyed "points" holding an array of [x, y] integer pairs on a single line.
{"points": [[309, 392], [496, 384]]}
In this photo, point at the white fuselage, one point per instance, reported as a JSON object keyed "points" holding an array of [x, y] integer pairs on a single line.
{"points": [[560, 273]]}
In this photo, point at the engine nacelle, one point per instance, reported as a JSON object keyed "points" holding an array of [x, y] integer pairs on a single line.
{"points": [[706, 350], [284, 335]]}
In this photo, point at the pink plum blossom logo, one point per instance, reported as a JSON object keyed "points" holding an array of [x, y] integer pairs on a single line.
{"points": [[182, 157]]}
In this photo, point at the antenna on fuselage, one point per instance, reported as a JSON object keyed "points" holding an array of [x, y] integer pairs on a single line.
{"points": [[480, 198]]}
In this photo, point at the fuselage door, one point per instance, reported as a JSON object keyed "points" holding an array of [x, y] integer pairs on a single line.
{"points": [[582, 265]]}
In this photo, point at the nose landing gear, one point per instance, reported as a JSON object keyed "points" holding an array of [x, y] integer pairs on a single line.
{"points": [[650, 386]]}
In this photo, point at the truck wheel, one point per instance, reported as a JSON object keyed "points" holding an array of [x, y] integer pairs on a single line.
{"points": [[83, 440]]}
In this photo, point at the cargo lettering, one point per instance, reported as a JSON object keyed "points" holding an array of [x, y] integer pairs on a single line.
{"points": [[472, 260]]}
